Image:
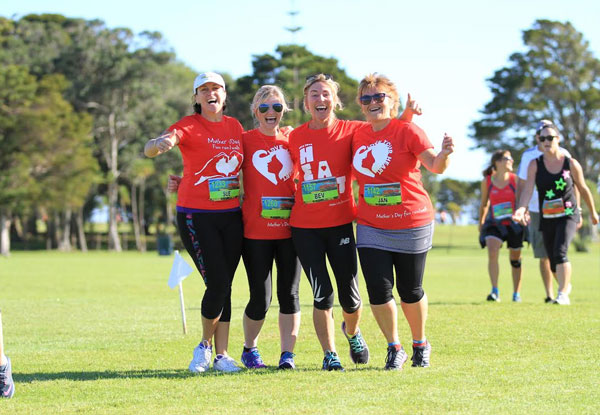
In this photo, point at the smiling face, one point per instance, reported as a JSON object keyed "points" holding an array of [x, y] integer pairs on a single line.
{"points": [[269, 120], [320, 100], [377, 111], [211, 97]]}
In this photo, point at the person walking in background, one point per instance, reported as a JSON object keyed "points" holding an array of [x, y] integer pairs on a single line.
{"points": [[555, 176], [395, 216], [535, 235], [208, 209], [7, 385], [498, 200]]}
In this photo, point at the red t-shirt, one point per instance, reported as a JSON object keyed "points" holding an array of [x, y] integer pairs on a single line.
{"points": [[212, 157], [268, 186], [385, 163], [322, 165], [502, 200]]}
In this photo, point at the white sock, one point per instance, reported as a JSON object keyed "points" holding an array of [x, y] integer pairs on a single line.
{"points": [[3, 360]]}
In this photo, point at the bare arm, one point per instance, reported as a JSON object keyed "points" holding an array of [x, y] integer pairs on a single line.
{"points": [[163, 143], [579, 180], [438, 163], [484, 204], [411, 108]]}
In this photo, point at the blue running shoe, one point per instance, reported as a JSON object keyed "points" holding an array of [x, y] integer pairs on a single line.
{"points": [[7, 385], [359, 352], [287, 361], [331, 361], [252, 360]]}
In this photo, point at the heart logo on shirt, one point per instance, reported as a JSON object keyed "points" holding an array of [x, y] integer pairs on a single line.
{"points": [[273, 164], [373, 159], [221, 165]]}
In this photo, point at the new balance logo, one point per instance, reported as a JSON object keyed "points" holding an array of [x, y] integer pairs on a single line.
{"points": [[344, 241]]}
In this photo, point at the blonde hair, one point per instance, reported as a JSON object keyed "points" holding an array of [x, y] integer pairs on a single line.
{"points": [[263, 94], [375, 80], [328, 80]]}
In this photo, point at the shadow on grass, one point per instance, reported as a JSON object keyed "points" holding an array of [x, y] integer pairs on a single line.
{"points": [[161, 374]]}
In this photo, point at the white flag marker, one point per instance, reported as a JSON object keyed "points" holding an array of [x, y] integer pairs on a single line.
{"points": [[179, 271]]}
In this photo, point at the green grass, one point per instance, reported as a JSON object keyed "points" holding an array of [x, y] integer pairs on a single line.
{"points": [[100, 333]]}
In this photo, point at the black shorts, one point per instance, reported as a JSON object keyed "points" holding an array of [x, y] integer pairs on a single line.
{"points": [[513, 234]]}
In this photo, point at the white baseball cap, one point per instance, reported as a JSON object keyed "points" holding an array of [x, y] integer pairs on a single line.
{"points": [[206, 77]]}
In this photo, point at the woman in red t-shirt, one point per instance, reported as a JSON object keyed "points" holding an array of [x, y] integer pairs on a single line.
{"points": [[267, 202], [208, 208], [395, 215], [498, 191]]}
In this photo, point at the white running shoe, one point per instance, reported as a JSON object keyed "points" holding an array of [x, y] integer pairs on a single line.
{"points": [[224, 363], [562, 299], [201, 360]]}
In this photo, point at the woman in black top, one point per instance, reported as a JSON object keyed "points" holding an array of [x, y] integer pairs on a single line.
{"points": [[555, 176]]}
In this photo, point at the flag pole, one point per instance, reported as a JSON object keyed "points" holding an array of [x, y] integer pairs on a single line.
{"points": [[182, 308]]}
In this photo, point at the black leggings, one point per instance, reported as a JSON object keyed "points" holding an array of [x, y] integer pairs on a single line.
{"points": [[214, 241], [337, 243], [378, 269], [558, 234], [258, 255]]}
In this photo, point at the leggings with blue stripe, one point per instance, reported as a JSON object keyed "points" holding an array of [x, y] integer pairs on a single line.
{"points": [[214, 241]]}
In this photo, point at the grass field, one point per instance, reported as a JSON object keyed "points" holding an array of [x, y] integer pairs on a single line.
{"points": [[100, 333]]}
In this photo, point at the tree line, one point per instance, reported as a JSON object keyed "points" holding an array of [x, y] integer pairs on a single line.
{"points": [[79, 101]]}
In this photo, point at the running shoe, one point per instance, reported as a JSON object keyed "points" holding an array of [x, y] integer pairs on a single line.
{"points": [[201, 360], [421, 355], [252, 360], [395, 358], [7, 385], [516, 298], [548, 300], [562, 299], [224, 363], [493, 297], [331, 361], [287, 361], [359, 352]]}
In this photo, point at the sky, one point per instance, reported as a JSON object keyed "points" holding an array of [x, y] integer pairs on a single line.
{"points": [[442, 52]]}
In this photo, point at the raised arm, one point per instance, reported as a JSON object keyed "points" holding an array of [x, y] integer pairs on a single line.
{"points": [[411, 108], [438, 163], [161, 144], [579, 180]]}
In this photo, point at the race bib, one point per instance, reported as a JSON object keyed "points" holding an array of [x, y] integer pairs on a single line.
{"points": [[320, 190], [553, 208], [502, 210], [276, 207], [385, 194], [223, 188]]}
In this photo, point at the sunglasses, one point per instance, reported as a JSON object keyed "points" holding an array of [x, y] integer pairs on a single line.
{"points": [[313, 77], [507, 159], [543, 138], [377, 98], [262, 108]]}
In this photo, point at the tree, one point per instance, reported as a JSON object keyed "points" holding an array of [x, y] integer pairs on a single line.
{"points": [[457, 196], [556, 78], [288, 69]]}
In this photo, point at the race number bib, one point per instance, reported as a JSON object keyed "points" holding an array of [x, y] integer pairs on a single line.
{"points": [[502, 210], [320, 190], [276, 207], [385, 194], [553, 208], [223, 188]]}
